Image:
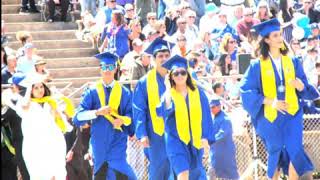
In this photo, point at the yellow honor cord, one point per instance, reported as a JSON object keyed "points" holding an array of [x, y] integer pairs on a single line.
{"points": [[154, 101], [270, 89], [182, 116]]}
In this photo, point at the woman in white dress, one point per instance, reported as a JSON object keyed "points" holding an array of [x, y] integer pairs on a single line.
{"points": [[44, 146]]}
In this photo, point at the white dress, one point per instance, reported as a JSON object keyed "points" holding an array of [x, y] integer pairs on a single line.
{"points": [[44, 146]]}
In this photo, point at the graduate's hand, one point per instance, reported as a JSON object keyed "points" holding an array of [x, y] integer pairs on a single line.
{"points": [[280, 106], [205, 146], [145, 142], [69, 156], [297, 83], [105, 110], [117, 123]]}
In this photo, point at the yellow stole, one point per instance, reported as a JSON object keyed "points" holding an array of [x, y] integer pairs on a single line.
{"points": [[54, 104], [270, 89], [154, 101], [114, 102], [182, 116]]}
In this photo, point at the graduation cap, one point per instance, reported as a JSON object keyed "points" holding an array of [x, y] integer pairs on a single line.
{"points": [[17, 78], [175, 62], [158, 45], [266, 27], [215, 102], [107, 58]]}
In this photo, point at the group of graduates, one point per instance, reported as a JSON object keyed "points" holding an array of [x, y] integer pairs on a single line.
{"points": [[174, 119]]}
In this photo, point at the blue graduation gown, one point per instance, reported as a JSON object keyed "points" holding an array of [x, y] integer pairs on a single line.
{"points": [[223, 150], [283, 137], [184, 157], [159, 167], [108, 144]]}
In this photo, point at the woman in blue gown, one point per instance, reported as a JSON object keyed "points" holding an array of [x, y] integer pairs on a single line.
{"points": [[271, 91], [188, 122]]}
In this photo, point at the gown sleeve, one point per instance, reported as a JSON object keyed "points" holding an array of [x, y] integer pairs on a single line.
{"points": [[85, 106], [250, 88]]}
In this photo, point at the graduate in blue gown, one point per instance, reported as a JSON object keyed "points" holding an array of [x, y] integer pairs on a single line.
{"points": [[150, 131], [271, 91], [188, 122], [110, 126], [222, 148]]}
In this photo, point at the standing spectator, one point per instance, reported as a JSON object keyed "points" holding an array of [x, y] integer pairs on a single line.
{"points": [[135, 27], [143, 8], [262, 12], [142, 65], [244, 26], [24, 37], [308, 9], [129, 59], [26, 63], [64, 4], [116, 38], [192, 29], [223, 162], [31, 8], [285, 16], [89, 5], [199, 6], [152, 19], [39, 116], [172, 14], [9, 70], [40, 66], [180, 48]]}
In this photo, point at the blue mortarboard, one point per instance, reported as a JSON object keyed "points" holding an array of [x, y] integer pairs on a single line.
{"points": [[175, 62], [267, 27], [107, 58], [158, 45], [17, 78], [215, 102]]}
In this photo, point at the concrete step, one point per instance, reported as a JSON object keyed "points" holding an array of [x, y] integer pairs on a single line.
{"points": [[21, 17], [66, 53], [77, 82], [54, 44], [13, 8], [72, 62], [40, 26], [75, 72], [47, 35]]}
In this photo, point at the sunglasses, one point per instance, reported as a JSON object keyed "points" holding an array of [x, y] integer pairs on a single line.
{"points": [[181, 72], [151, 18], [295, 43], [109, 67], [182, 39], [183, 23], [192, 17], [113, 1], [307, 2], [187, 7], [247, 15]]}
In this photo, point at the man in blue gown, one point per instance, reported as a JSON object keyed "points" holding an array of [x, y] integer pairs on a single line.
{"points": [[150, 128], [110, 126]]}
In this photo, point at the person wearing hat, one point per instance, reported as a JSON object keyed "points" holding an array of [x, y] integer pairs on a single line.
{"points": [[42, 122], [188, 124], [270, 90], [26, 63], [244, 26], [207, 21], [42, 70], [223, 27], [146, 97], [108, 105], [12, 123], [222, 148]]}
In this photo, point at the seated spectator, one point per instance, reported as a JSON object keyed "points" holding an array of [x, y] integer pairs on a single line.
{"points": [[129, 58], [26, 63], [160, 27], [172, 14], [153, 34], [208, 20], [263, 12], [309, 65], [192, 29], [64, 4], [182, 29], [40, 66], [9, 70], [308, 9], [24, 37], [181, 47], [244, 26], [130, 13], [142, 65], [228, 51], [295, 46], [117, 36], [135, 27], [237, 16], [233, 88], [315, 30], [151, 18], [312, 41], [222, 27], [210, 51]]}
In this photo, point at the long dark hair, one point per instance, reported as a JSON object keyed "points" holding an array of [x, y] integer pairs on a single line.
{"points": [[189, 81], [264, 48], [5, 56], [47, 91]]}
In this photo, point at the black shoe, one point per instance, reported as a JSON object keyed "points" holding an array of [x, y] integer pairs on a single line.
{"points": [[34, 10], [24, 10]]}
